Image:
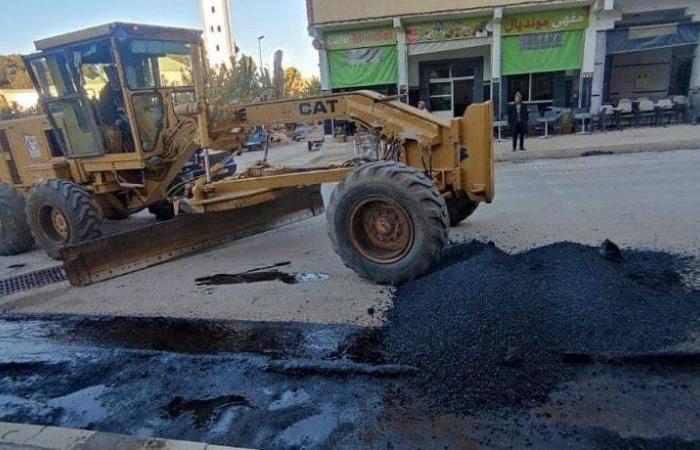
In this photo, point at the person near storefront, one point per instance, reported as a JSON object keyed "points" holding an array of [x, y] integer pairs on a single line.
{"points": [[695, 105], [517, 119], [422, 106]]}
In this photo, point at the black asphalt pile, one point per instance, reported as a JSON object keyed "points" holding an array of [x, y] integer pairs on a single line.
{"points": [[491, 329]]}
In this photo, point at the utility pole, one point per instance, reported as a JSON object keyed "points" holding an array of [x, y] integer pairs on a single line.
{"points": [[260, 38]]}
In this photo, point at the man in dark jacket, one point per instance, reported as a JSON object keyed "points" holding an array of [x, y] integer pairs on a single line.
{"points": [[517, 119]]}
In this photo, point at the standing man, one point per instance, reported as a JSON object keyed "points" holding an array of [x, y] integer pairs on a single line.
{"points": [[694, 98], [517, 119]]}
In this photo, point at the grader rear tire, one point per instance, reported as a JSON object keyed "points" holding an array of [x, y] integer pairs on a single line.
{"points": [[61, 213], [388, 222], [15, 235]]}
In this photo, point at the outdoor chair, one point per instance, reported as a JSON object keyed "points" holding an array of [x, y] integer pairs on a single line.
{"points": [[583, 115], [533, 124], [549, 119], [606, 113], [499, 124], [680, 105], [646, 110], [664, 110], [625, 111]]}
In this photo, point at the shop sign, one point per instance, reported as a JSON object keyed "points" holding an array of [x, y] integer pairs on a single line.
{"points": [[445, 30], [374, 37], [545, 21]]}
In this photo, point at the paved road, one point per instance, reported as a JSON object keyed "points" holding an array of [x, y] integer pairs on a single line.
{"points": [[645, 200]]}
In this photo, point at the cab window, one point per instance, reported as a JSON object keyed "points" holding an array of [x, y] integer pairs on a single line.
{"points": [[152, 64], [53, 75]]}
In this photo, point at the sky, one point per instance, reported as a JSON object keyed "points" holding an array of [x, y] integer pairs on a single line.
{"points": [[283, 22]]}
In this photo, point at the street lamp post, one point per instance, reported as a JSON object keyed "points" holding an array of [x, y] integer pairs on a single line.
{"points": [[260, 38]]}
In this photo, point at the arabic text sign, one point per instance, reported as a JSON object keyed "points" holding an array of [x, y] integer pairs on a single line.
{"points": [[374, 37], [545, 21], [445, 30]]}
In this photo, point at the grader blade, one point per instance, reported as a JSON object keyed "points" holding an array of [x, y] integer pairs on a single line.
{"points": [[127, 252]]}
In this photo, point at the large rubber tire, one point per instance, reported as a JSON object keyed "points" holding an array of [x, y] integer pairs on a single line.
{"points": [[460, 208], [60, 214], [388, 222], [163, 210], [15, 235]]}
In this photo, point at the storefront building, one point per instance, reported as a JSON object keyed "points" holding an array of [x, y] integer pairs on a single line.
{"points": [[569, 54]]}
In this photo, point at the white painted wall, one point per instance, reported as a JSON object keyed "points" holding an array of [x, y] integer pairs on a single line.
{"points": [[218, 32]]}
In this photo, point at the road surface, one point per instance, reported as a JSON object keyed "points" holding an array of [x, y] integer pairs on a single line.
{"points": [[555, 347], [647, 200]]}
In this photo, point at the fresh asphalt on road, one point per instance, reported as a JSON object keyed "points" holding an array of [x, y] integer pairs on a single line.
{"points": [[296, 367]]}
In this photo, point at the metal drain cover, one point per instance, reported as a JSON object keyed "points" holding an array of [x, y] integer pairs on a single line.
{"points": [[32, 280]]}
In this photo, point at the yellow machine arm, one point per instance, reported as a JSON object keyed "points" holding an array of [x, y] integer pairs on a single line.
{"points": [[456, 154]]}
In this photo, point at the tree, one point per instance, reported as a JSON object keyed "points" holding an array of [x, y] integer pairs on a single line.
{"points": [[293, 83], [312, 86], [14, 73], [242, 82]]}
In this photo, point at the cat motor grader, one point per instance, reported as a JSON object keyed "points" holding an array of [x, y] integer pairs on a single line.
{"points": [[126, 107]]}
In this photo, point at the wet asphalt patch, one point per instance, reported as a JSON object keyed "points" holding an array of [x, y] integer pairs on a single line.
{"points": [[491, 328], [561, 346], [262, 274]]}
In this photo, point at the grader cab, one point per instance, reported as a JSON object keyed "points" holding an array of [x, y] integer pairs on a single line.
{"points": [[126, 108]]}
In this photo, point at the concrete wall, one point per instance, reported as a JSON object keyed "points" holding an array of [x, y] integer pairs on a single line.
{"points": [[334, 11]]}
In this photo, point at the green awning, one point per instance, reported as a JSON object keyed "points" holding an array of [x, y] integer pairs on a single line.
{"points": [[361, 67], [543, 52]]}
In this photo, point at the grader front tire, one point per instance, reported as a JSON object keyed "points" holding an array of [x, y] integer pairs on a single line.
{"points": [[15, 235], [61, 213], [388, 222]]}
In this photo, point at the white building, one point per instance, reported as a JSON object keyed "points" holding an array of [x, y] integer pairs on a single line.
{"points": [[218, 32]]}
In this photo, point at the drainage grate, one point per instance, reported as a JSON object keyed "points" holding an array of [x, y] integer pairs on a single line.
{"points": [[32, 280]]}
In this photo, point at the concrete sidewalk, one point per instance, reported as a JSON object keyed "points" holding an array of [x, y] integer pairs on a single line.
{"points": [[15, 436], [630, 140]]}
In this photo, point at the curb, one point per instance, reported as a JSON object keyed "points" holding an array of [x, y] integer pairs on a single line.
{"points": [[597, 150], [578, 152], [16, 436]]}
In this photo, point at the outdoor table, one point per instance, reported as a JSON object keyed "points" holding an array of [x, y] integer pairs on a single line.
{"points": [[500, 124], [583, 116], [546, 121]]}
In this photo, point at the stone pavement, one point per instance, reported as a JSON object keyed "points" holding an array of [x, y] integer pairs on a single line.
{"points": [[14, 436], [630, 140]]}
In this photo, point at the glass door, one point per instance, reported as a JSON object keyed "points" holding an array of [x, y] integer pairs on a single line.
{"points": [[462, 95], [451, 89]]}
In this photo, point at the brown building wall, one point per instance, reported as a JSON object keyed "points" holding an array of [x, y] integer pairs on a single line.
{"points": [[323, 12]]}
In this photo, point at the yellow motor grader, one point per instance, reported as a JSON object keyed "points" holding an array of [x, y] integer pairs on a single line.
{"points": [[125, 109]]}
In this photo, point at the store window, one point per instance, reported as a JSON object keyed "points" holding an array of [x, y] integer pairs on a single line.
{"points": [[534, 87]]}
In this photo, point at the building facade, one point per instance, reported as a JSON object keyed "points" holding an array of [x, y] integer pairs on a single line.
{"points": [[218, 32], [448, 53]]}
